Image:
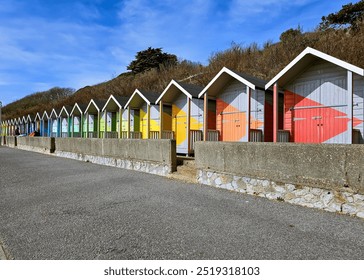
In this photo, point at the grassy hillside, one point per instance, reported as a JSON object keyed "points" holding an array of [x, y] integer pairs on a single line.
{"points": [[260, 61], [37, 102]]}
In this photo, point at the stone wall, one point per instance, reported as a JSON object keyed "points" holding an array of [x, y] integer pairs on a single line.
{"points": [[314, 197], [328, 177]]}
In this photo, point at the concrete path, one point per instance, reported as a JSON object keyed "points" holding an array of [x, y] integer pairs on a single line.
{"points": [[55, 208]]}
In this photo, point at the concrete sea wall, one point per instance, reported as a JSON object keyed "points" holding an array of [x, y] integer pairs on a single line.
{"points": [[328, 177], [10, 141], [36, 144], [151, 156]]}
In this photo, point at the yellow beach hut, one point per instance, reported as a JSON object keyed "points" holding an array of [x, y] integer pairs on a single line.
{"points": [[186, 109]]}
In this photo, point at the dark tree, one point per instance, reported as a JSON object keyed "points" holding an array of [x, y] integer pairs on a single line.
{"points": [[348, 17], [151, 58]]}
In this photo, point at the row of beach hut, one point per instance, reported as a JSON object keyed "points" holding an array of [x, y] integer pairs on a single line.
{"points": [[316, 98]]}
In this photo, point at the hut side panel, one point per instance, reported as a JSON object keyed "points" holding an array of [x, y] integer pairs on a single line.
{"points": [[316, 105], [257, 110], [154, 118], [124, 121], [196, 120], [144, 121], [102, 124]]}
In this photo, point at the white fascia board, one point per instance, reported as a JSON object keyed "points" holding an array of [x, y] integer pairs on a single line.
{"points": [[232, 74], [107, 102], [63, 109], [173, 82], [89, 104], [140, 94], [53, 112], [37, 116], [74, 107]]}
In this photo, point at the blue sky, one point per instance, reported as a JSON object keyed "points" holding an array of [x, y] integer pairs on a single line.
{"points": [[67, 43]]}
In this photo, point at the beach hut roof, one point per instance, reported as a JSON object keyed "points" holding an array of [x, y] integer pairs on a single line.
{"points": [[65, 111], [115, 103], [37, 116], [174, 88], [303, 60], [54, 113], [45, 115], [81, 108], [29, 117], [225, 75], [139, 97], [94, 106]]}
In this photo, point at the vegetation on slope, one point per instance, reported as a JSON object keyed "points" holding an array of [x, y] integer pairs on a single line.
{"points": [[37, 102]]}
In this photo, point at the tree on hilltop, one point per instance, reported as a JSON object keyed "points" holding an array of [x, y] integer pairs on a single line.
{"points": [[151, 58], [350, 16]]}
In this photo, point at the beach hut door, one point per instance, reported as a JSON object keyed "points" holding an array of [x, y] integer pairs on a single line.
{"points": [[319, 117], [231, 111]]}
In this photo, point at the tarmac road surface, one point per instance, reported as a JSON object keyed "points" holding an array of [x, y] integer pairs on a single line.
{"points": [[56, 208]]}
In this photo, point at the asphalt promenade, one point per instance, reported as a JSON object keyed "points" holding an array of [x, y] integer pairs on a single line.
{"points": [[56, 208]]}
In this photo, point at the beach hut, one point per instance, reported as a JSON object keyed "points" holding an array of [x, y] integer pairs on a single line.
{"points": [[181, 102], [11, 127], [2, 124], [37, 122], [16, 125], [6, 127], [243, 108], [23, 128], [143, 105], [323, 99], [77, 119], [54, 123], [30, 124], [3, 128], [112, 117], [45, 125], [91, 125], [65, 121], [19, 122]]}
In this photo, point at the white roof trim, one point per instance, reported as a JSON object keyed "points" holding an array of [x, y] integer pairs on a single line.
{"points": [[64, 109], [37, 115], [107, 102], [53, 112], [93, 102], [74, 107], [173, 82], [232, 74], [318, 54], [46, 114], [140, 94]]}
